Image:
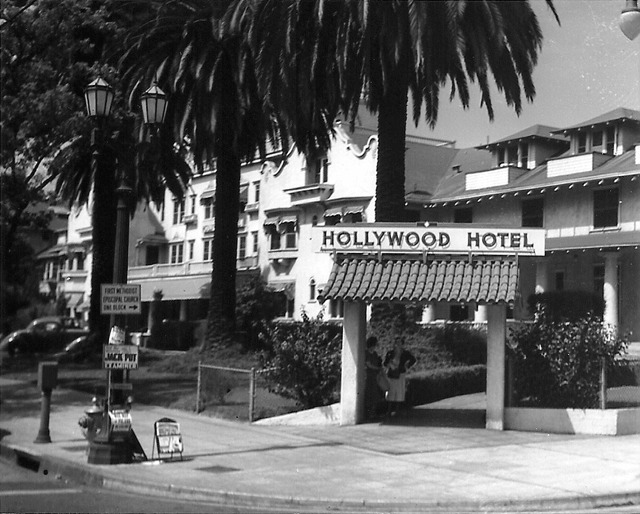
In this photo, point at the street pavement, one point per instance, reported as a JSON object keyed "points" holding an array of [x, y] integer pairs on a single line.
{"points": [[437, 458]]}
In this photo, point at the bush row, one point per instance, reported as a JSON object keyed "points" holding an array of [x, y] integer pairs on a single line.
{"points": [[433, 385]]}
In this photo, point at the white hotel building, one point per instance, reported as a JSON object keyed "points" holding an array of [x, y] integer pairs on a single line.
{"points": [[579, 183]]}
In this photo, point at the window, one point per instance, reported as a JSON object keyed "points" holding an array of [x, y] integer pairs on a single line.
{"points": [[352, 217], [178, 211], [274, 240], [533, 213], [209, 211], [512, 155], [193, 204], [256, 192], [610, 143], [254, 237], [318, 171], [582, 142], [152, 255], [312, 290], [192, 245], [559, 280], [161, 209], [501, 160], [314, 221], [207, 251], [524, 155], [290, 236], [605, 208], [242, 246], [596, 141], [176, 253], [464, 215]]}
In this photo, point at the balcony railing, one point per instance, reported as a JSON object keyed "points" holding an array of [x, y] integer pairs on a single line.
{"points": [[580, 163], [182, 269]]}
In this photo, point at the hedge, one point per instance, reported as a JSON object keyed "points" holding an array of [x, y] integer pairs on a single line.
{"points": [[436, 384]]}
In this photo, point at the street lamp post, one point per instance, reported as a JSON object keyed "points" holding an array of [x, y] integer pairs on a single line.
{"points": [[630, 19], [105, 447]]}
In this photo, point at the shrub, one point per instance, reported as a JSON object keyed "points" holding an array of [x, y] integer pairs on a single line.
{"points": [[558, 364], [306, 359], [567, 305], [433, 385]]}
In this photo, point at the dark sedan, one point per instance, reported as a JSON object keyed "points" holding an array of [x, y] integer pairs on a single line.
{"points": [[43, 335]]}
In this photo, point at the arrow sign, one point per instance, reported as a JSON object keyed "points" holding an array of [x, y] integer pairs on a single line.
{"points": [[120, 298]]}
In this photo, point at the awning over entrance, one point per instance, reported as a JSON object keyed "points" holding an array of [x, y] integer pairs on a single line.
{"points": [[413, 280]]}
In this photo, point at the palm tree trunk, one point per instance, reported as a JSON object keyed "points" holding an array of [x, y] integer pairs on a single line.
{"points": [[103, 215], [222, 304], [392, 128]]}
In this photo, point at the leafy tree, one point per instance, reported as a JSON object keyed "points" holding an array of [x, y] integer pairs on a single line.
{"points": [[45, 54], [305, 361], [558, 363]]}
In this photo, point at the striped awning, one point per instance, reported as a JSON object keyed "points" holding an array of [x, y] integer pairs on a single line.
{"points": [[413, 280]]}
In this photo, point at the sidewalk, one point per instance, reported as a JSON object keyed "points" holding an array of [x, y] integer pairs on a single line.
{"points": [[437, 459]]}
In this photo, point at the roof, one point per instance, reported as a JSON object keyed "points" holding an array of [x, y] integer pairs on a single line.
{"points": [[533, 132], [414, 280], [452, 187], [616, 115]]}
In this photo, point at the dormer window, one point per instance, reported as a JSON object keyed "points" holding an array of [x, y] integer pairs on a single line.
{"points": [[516, 154]]}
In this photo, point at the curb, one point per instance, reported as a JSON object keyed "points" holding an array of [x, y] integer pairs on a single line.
{"points": [[93, 476]]}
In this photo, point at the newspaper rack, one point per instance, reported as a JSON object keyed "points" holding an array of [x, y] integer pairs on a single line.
{"points": [[167, 438]]}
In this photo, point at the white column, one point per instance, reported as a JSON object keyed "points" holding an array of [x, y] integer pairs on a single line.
{"points": [[429, 313], [496, 332], [611, 290], [480, 314], [542, 276], [353, 373]]}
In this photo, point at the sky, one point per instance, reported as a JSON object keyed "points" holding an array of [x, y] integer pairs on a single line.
{"points": [[586, 67]]}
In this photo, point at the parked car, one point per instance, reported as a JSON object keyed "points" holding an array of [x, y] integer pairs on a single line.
{"points": [[79, 349], [43, 335]]}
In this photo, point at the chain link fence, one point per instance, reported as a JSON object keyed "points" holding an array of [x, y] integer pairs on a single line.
{"points": [[238, 394]]}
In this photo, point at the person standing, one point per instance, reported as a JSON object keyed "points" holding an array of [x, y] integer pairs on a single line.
{"points": [[372, 392], [397, 361]]}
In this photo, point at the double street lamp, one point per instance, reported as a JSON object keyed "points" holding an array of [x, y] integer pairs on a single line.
{"points": [[99, 96]]}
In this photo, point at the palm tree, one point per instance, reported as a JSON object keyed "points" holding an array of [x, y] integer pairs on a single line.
{"points": [[125, 155], [323, 53], [197, 52]]}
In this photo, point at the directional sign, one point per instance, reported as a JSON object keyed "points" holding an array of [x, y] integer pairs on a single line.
{"points": [[120, 298]]}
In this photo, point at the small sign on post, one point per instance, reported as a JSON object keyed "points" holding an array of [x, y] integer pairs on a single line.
{"points": [[118, 356], [120, 299]]}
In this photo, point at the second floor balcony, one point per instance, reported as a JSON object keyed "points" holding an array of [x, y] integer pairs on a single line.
{"points": [[191, 268]]}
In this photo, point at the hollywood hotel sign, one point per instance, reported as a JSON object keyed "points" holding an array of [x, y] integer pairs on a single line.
{"points": [[439, 239]]}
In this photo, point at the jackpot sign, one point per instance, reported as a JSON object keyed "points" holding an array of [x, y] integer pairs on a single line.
{"points": [[432, 239]]}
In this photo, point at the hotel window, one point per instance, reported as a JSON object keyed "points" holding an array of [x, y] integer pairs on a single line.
{"points": [[178, 211], [254, 237], [533, 212], [274, 240], [290, 236], [192, 245], [463, 215], [318, 171], [524, 155], [242, 246], [596, 142], [610, 140], [312, 290], [582, 142], [193, 204], [256, 192], [207, 251], [176, 253], [605, 208], [209, 211], [314, 221], [512, 155]]}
